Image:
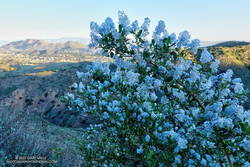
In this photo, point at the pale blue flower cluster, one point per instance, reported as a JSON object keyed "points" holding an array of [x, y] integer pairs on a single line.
{"points": [[145, 27], [147, 138], [139, 150], [160, 33], [164, 103], [183, 41], [214, 66], [123, 20], [246, 145], [206, 57], [98, 33]]}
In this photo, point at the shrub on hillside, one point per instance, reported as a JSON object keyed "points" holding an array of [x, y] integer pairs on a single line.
{"points": [[156, 106]]}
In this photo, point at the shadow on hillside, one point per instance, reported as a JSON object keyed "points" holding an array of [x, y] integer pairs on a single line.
{"points": [[38, 89]]}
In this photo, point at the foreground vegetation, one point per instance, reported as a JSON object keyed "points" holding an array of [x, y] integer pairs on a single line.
{"points": [[156, 106], [27, 134]]}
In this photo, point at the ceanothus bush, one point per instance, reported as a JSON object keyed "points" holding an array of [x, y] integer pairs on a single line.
{"points": [[159, 102]]}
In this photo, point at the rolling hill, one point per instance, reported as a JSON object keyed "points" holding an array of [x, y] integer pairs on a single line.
{"points": [[230, 44], [42, 47]]}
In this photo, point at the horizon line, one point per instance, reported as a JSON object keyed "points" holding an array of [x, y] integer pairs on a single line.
{"points": [[88, 38]]}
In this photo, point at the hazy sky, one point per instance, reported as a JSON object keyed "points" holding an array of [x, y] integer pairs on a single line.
{"points": [[212, 20]]}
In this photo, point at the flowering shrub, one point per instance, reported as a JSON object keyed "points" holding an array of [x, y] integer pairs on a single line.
{"points": [[159, 102]]}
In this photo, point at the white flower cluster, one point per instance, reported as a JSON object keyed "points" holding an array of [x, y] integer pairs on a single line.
{"points": [[165, 109]]}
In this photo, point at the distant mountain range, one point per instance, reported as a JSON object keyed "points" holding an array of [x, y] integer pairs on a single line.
{"points": [[223, 43], [3, 43], [54, 40], [42, 47], [77, 45], [230, 44]]}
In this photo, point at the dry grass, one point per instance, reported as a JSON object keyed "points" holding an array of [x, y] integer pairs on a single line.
{"points": [[42, 73], [6, 67], [26, 134], [39, 68]]}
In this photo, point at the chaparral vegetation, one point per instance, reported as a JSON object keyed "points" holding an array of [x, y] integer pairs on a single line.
{"points": [[159, 103]]}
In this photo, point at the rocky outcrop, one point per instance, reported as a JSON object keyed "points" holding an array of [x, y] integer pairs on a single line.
{"points": [[42, 95], [48, 105]]}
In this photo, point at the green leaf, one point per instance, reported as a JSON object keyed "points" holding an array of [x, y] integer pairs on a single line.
{"points": [[139, 33], [167, 41], [245, 128], [120, 28], [150, 154]]}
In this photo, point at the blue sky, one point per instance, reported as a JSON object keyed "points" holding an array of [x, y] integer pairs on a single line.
{"points": [[210, 20]]}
